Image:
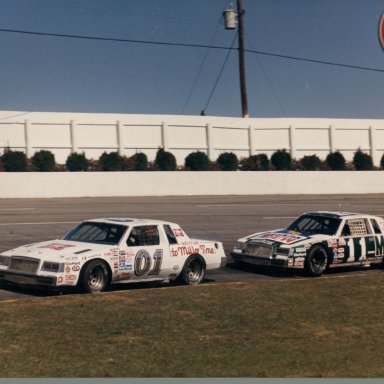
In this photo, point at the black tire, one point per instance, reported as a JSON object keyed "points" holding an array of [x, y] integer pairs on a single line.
{"points": [[193, 271], [316, 261], [94, 277]]}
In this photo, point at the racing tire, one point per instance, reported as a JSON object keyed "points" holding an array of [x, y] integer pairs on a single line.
{"points": [[193, 271], [316, 261], [94, 277]]}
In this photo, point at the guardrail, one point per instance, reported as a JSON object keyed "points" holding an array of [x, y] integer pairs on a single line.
{"points": [[115, 184]]}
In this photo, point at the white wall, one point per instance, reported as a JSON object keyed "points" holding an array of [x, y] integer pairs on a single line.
{"points": [[112, 184], [63, 133]]}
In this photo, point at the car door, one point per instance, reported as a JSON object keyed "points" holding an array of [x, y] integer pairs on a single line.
{"points": [[148, 252], [357, 242]]}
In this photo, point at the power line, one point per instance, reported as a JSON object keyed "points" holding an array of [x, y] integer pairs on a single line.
{"points": [[112, 39], [219, 76], [201, 66], [186, 45], [315, 61], [259, 61]]}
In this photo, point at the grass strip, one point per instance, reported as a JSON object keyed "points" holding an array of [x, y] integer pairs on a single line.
{"points": [[325, 327]]}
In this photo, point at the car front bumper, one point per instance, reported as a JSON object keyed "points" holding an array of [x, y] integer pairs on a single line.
{"points": [[27, 279], [273, 261]]}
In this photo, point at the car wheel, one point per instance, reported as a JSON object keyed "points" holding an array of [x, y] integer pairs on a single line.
{"points": [[316, 261], [95, 277], [193, 271]]}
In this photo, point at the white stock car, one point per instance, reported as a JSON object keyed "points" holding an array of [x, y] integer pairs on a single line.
{"points": [[102, 251], [316, 241]]}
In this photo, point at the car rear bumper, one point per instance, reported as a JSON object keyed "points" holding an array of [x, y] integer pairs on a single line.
{"points": [[27, 279]]}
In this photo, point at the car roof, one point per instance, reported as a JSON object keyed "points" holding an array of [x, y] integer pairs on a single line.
{"points": [[128, 221], [338, 214]]}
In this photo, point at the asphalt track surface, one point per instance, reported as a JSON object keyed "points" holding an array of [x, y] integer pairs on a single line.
{"points": [[222, 218]]}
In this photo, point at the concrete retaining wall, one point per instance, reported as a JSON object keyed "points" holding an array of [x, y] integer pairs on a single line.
{"points": [[110, 184]]}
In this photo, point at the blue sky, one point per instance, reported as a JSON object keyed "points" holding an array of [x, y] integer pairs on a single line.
{"points": [[53, 73]]}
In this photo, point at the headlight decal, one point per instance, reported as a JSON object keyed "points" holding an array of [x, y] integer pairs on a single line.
{"points": [[283, 251], [5, 260], [49, 266]]}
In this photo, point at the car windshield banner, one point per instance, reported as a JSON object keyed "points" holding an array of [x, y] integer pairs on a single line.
{"points": [[282, 237]]}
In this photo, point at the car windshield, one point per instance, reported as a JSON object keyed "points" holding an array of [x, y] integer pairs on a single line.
{"points": [[95, 232], [313, 224]]}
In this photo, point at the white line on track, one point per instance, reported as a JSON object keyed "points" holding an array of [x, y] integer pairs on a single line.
{"points": [[41, 223], [245, 205], [17, 209]]}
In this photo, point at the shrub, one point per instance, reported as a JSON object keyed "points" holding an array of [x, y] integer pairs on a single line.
{"points": [[137, 162], [335, 161], [165, 161], [197, 161], [227, 161], [281, 160], [258, 162], [14, 161], [77, 162], [43, 161], [140, 161], [111, 161], [310, 163], [362, 161]]}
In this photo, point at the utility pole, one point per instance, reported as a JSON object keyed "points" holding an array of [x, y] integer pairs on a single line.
{"points": [[243, 85], [231, 24]]}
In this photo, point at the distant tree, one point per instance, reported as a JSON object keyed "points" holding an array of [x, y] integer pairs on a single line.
{"points": [[140, 161], [77, 162], [197, 161], [335, 161], [228, 161], [310, 163], [137, 162], [111, 161], [14, 161], [44, 161], [362, 161], [165, 161], [281, 160]]}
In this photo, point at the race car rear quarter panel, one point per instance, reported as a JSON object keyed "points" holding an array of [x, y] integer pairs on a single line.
{"points": [[212, 252]]}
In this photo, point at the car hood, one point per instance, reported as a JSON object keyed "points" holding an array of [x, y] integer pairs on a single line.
{"points": [[56, 249], [280, 237]]}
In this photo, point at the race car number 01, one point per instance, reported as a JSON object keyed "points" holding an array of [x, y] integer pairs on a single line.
{"points": [[143, 262]]}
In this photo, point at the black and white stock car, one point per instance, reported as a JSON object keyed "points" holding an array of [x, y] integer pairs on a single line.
{"points": [[99, 252], [316, 241]]}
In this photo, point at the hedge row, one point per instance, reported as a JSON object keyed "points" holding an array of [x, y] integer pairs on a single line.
{"points": [[44, 161]]}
